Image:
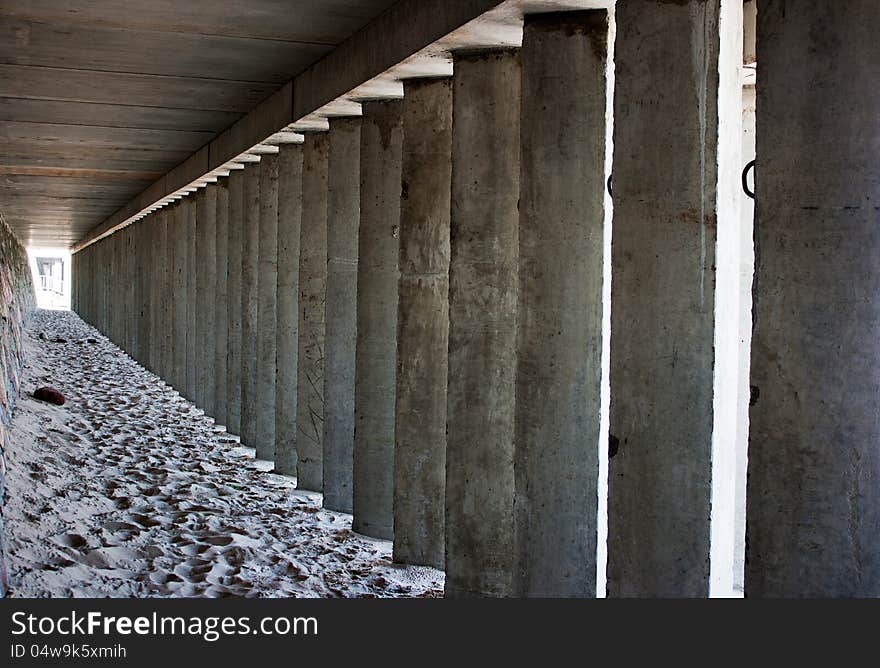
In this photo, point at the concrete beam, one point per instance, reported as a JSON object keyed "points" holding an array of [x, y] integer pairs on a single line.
{"points": [[406, 28]]}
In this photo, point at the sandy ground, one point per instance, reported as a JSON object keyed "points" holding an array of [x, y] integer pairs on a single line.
{"points": [[129, 490]]}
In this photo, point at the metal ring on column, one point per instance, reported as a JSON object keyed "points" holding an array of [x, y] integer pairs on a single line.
{"points": [[608, 184], [745, 179]]}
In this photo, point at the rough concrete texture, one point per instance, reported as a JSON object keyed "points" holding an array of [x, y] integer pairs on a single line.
{"points": [[814, 461], [423, 324], [287, 336], [166, 340], [142, 261], [221, 302], [233, 360], [559, 351], [376, 353], [480, 550], [158, 239], [312, 294], [250, 246], [267, 286], [206, 282], [668, 145], [179, 317], [343, 217], [192, 265]]}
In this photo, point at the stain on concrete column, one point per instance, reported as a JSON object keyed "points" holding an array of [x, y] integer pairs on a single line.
{"points": [[221, 303], [480, 549], [206, 258], [312, 295], [233, 360], [376, 348], [267, 285], [179, 317], [814, 441], [287, 338], [191, 300], [343, 218], [676, 131], [559, 350], [423, 324], [250, 251]]}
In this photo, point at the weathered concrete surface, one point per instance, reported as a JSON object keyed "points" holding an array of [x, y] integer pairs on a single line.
{"points": [[192, 333], [423, 324], [376, 350], [559, 350], [142, 261], [179, 318], [814, 460], [221, 303], [287, 336], [343, 217], [480, 550], [206, 279], [267, 285], [250, 251], [233, 360], [677, 134], [313, 292], [166, 339], [159, 275]]}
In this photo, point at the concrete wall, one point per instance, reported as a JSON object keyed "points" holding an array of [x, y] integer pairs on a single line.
{"points": [[17, 303]]}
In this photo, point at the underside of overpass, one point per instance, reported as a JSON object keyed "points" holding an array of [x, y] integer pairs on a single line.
{"points": [[475, 278]]}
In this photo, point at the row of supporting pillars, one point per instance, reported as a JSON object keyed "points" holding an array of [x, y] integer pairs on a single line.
{"points": [[410, 313]]}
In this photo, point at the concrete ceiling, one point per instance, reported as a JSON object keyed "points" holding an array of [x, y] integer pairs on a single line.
{"points": [[99, 98]]}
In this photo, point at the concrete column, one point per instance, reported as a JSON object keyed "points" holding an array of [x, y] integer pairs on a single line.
{"points": [[313, 291], [290, 167], [814, 461], [343, 218], [115, 288], [191, 297], [250, 252], [233, 360], [376, 348], [677, 143], [559, 350], [160, 272], [221, 303], [179, 317], [166, 340], [141, 290], [206, 273], [423, 324], [480, 549], [267, 297]]}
